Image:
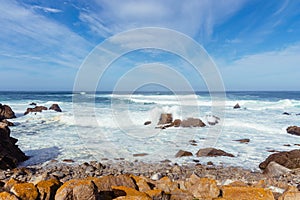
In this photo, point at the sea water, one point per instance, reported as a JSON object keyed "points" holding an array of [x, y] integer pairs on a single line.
{"points": [[111, 126]]}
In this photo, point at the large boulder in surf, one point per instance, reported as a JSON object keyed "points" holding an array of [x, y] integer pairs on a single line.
{"points": [[192, 122], [6, 112], [294, 130], [55, 107], [10, 154], [288, 159], [35, 109], [165, 118], [212, 152]]}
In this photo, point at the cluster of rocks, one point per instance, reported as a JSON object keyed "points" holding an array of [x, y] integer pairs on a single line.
{"points": [[36, 109], [138, 180], [6, 113]]}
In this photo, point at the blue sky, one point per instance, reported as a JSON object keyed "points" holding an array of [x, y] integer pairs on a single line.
{"points": [[255, 44]]}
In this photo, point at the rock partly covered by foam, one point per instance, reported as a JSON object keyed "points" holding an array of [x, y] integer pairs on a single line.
{"points": [[165, 118], [6, 112], [55, 107], [35, 109], [182, 153], [294, 130], [288, 159], [236, 106], [10, 154], [212, 152]]}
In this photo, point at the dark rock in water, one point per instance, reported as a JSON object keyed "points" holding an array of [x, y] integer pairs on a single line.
{"points": [[55, 107], [10, 154], [177, 122], [140, 154], [288, 159], [165, 118], [237, 106], [8, 123], [294, 130], [298, 114], [182, 153], [35, 109], [212, 152], [243, 141], [33, 104], [192, 122], [286, 113], [147, 123], [6, 112]]}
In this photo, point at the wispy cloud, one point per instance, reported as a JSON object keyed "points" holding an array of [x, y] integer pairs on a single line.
{"points": [[46, 9], [195, 18]]}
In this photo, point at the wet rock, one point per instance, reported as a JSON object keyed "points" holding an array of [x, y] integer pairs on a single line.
{"points": [[294, 130], [35, 109], [274, 169], [212, 120], [229, 192], [286, 113], [237, 106], [202, 188], [212, 152], [48, 188], [8, 123], [77, 189], [246, 141], [6, 112], [32, 104], [10, 154], [192, 122], [288, 159], [182, 153], [165, 118], [55, 107], [147, 123], [177, 122], [25, 191], [140, 154]]}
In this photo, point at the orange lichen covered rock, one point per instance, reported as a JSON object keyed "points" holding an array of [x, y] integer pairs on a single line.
{"points": [[48, 188], [202, 187], [25, 191], [77, 189], [7, 196], [165, 184], [10, 183], [179, 194], [141, 182], [157, 194], [246, 193], [131, 192], [105, 183], [292, 193]]}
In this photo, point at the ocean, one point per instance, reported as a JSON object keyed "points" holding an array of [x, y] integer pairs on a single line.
{"points": [[107, 126]]}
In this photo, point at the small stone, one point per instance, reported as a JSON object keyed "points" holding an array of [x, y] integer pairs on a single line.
{"points": [[140, 154], [212, 152], [147, 123], [156, 177], [236, 106], [246, 141]]}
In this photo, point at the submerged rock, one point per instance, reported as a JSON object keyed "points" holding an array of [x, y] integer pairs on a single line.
{"points": [[212, 120], [243, 141], [6, 112], [294, 130], [10, 154], [147, 123], [212, 152], [288, 159], [55, 107], [35, 109]]}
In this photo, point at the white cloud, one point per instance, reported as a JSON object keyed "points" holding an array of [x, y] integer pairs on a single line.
{"points": [[46, 9], [24, 33], [273, 70], [195, 18]]}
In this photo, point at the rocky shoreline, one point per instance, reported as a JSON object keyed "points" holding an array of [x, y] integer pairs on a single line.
{"points": [[139, 180], [279, 177]]}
